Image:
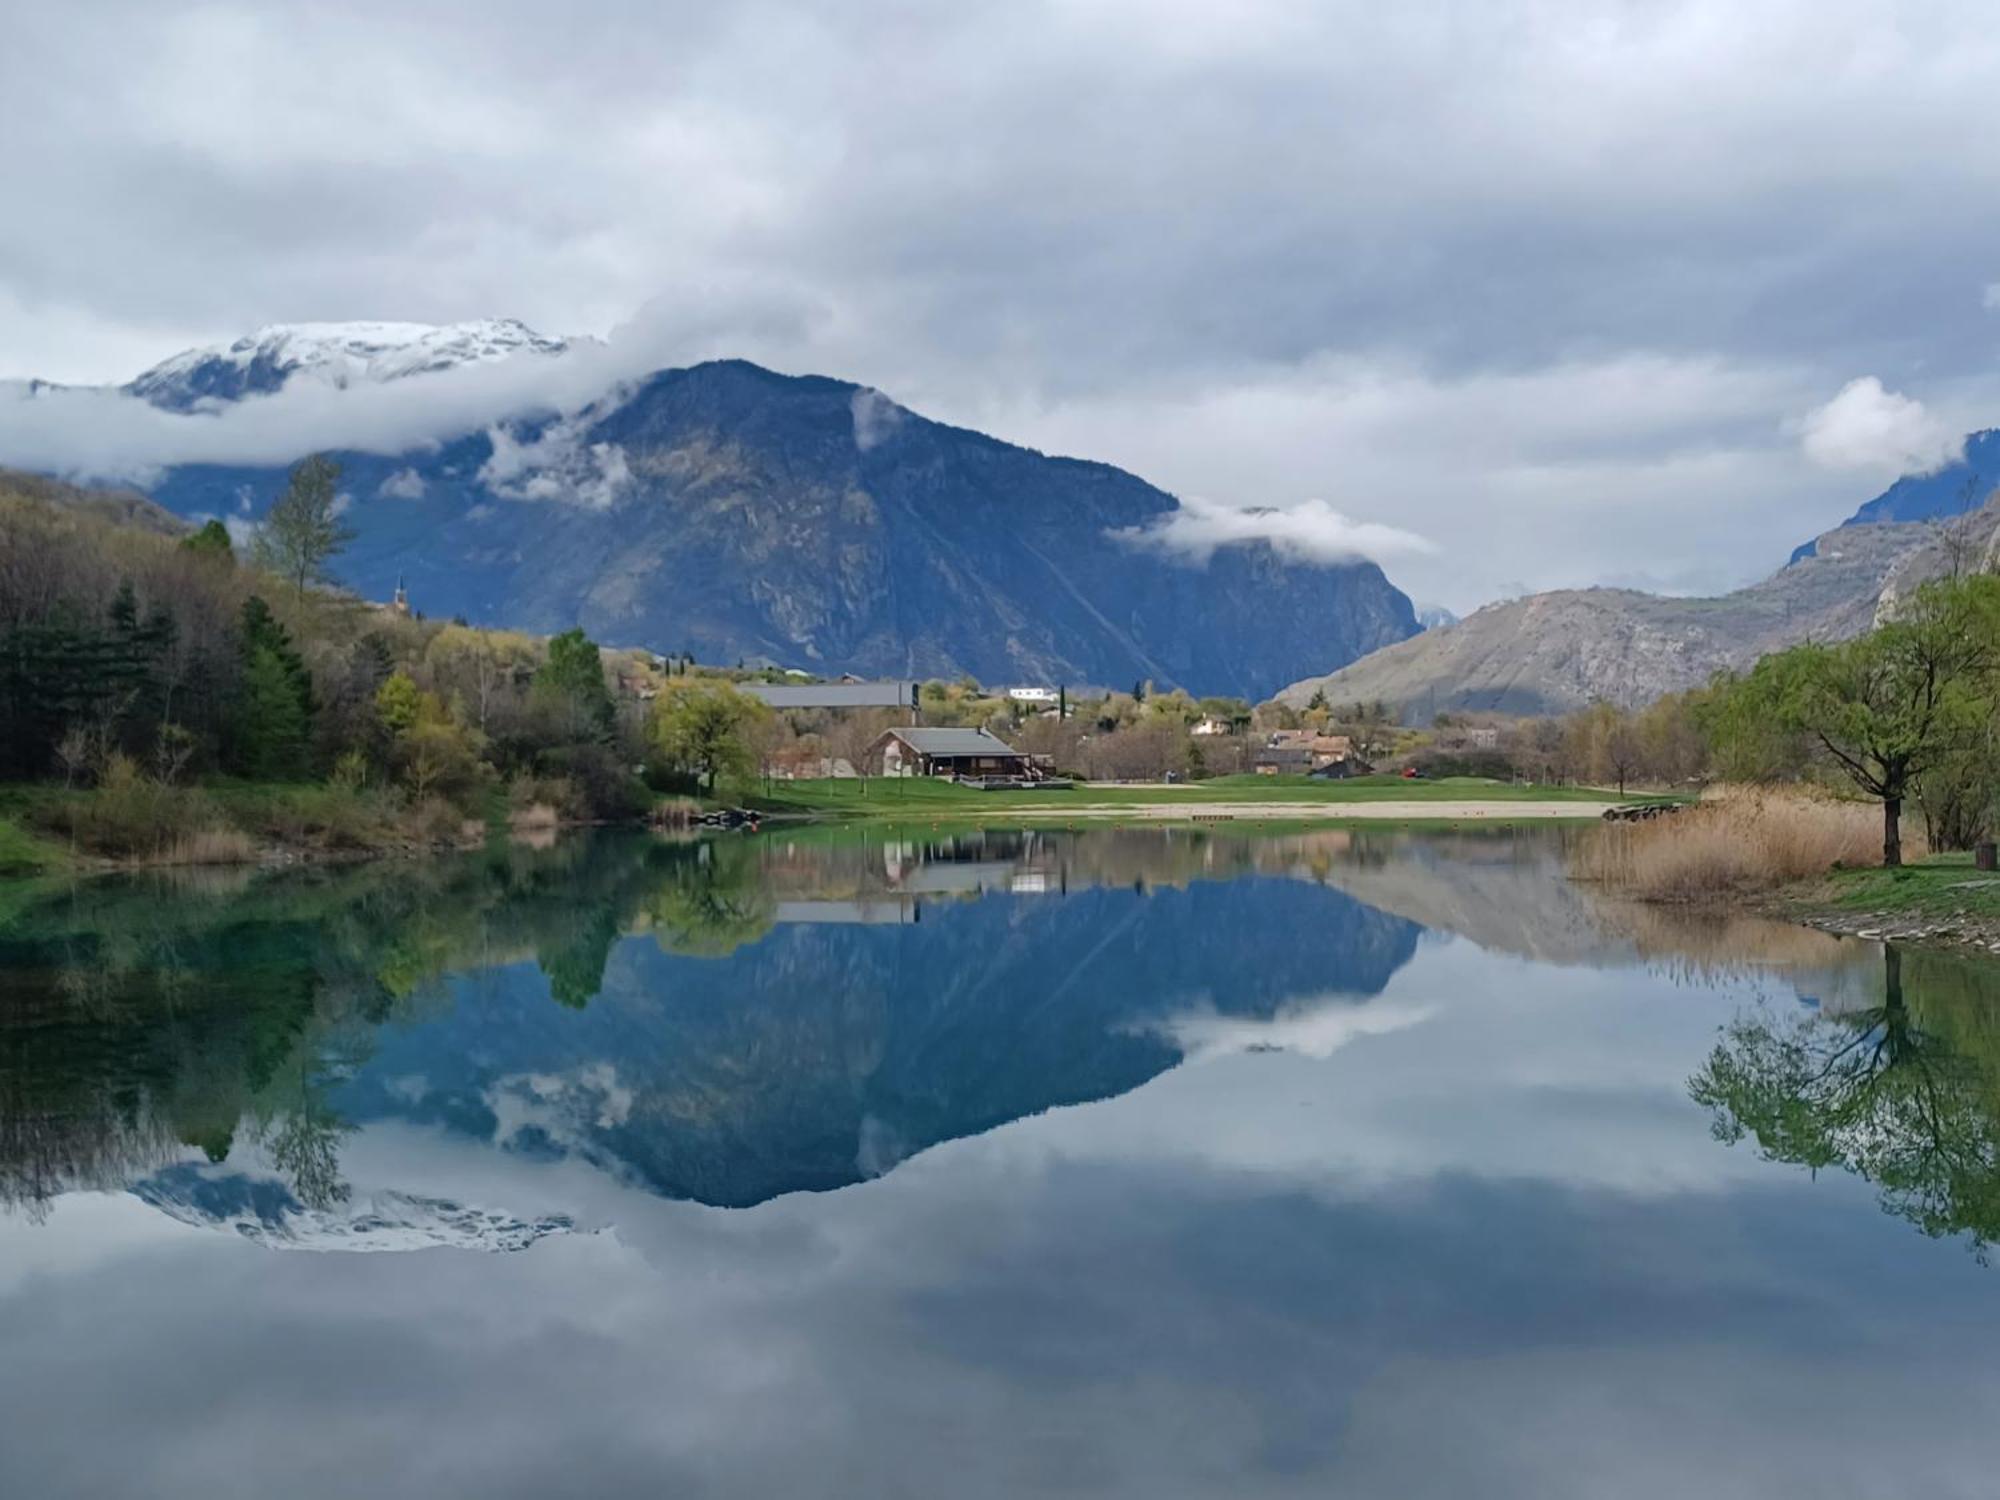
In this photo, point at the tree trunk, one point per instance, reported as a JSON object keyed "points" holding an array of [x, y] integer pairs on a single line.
{"points": [[1892, 830]]}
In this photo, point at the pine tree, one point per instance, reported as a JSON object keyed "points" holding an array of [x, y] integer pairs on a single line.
{"points": [[274, 711]]}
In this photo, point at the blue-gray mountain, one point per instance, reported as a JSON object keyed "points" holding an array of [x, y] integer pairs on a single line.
{"points": [[741, 514], [1950, 491]]}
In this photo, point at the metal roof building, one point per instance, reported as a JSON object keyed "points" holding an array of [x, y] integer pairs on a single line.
{"points": [[948, 752], [834, 694]]}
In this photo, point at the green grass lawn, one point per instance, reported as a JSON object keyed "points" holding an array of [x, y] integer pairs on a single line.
{"points": [[23, 853], [1944, 885], [889, 797]]}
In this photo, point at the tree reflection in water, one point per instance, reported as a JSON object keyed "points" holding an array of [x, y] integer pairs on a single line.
{"points": [[1904, 1092], [153, 1016]]}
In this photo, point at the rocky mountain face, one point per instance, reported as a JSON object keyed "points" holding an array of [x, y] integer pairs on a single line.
{"points": [[1554, 652], [746, 515], [1950, 491]]}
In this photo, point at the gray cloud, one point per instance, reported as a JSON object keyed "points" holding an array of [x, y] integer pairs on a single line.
{"points": [[1110, 228]]}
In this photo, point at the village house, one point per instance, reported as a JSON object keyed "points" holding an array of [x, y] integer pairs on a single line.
{"points": [[949, 752], [1209, 727], [1303, 752]]}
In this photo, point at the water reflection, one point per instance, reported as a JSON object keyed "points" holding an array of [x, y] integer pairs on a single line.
{"points": [[731, 1019], [1901, 1087], [1379, 1137]]}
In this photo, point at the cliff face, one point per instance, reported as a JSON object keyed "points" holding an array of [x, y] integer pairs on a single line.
{"points": [[1554, 652], [741, 514]]}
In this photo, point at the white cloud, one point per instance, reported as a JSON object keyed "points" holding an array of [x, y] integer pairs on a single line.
{"points": [[1570, 310], [1868, 427], [1315, 1026], [404, 484], [557, 464], [876, 418], [1311, 531]]}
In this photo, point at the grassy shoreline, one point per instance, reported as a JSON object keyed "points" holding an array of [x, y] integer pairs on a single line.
{"points": [[1287, 798], [1940, 900], [48, 831]]}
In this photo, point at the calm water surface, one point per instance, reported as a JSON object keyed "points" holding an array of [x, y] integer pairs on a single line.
{"points": [[1129, 1163]]}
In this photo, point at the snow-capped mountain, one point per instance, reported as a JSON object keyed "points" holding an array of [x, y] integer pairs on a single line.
{"points": [[262, 1208], [335, 354]]}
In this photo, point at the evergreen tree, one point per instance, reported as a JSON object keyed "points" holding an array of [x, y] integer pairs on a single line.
{"points": [[212, 540], [571, 682], [273, 718]]}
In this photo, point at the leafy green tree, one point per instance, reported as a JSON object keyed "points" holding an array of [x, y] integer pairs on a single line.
{"points": [[571, 684], [397, 702], [212, 540], [303, 532], [705, 728], [1876, 1091], [1882, 708]]}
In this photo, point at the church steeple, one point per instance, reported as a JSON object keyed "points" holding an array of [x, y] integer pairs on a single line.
{"points": [[401, 603]]}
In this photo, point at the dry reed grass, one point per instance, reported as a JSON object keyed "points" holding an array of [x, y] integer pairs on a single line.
{"points": [[1737, 840], [535, 816], [212, 846]]}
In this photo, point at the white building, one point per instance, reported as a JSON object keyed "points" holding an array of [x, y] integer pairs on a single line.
{"points": [[1032, 695]]}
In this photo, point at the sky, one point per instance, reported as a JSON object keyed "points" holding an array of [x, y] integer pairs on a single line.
{"points": [[1511, 294]]}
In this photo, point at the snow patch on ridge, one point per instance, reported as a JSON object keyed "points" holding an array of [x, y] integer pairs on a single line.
{"points": [[337, 355]]}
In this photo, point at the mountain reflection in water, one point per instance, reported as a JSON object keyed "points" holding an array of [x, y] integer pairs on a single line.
{"points": [[1144, 1163], [720, 1020], [730, 1020]]}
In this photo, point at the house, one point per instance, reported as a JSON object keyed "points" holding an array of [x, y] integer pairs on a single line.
{"points": [[1322, 747], [1209, 727], [1283, 760], [1031, 695], [948, 752]]}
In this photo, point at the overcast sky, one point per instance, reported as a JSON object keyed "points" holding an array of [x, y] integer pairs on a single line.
{"points": [[1588, 292]]}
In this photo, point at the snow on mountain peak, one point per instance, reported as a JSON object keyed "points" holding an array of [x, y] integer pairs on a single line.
{"points": [[335, 354], [261, 1207]]}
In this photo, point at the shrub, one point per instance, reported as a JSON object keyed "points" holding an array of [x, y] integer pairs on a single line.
{"points": [[436, 821], [213, 846], [605, 785], [130, 816]]}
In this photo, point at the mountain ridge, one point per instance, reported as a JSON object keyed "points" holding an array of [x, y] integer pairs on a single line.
{"points": [[1559, 651], [745, 514]]}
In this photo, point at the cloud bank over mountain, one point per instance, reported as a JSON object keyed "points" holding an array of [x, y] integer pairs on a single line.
{"points": [[1588, 290]]}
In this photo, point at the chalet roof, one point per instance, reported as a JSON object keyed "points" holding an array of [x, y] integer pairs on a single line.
{"points": [[952, 742]]}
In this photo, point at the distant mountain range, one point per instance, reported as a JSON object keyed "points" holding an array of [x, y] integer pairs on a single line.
{"points": [[1555, 652], [741, 514]]}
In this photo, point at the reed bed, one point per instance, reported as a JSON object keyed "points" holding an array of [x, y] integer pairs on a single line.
{"points": [[1736, 841], [212, 846]]}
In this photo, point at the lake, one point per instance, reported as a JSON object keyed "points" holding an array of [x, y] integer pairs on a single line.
{"points": [[1134, 1162]]}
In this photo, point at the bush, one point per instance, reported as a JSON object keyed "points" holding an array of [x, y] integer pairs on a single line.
{"points": [[435, 821], [604, 786], [130, 816]]}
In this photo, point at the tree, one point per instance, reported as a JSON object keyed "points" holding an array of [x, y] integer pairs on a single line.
{"points": [[705, 729], [396, 703], [1902, 1094], [571, 683], [272, 721], [211, 541], [1884, 707], [304, 532]]}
